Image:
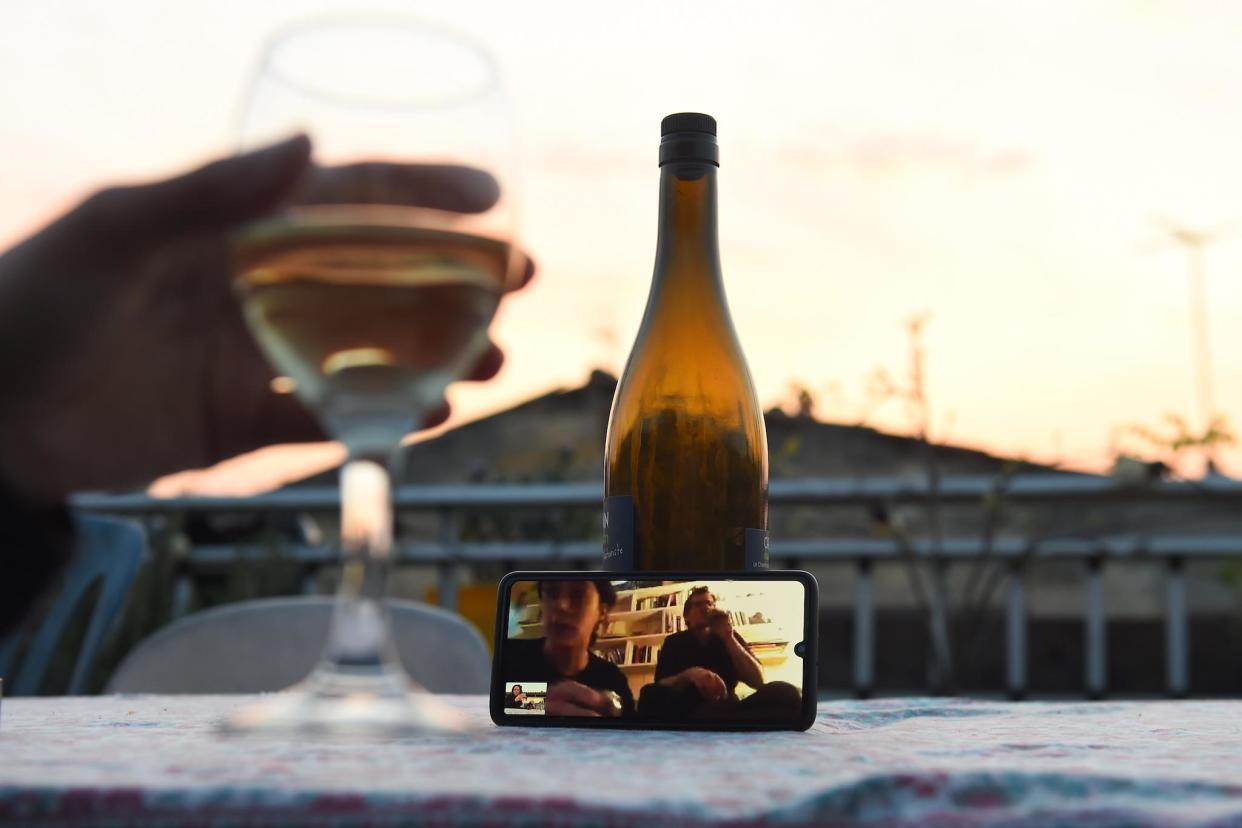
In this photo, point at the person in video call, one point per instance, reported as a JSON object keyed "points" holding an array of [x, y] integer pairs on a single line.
{"points": [[698, 669], [516, 697], [580, 683]]}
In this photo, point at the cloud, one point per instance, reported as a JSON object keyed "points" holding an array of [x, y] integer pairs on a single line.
{"points": [[894, 153]]}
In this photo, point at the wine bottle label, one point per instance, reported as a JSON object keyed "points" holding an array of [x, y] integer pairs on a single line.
{"points": [[618, 533], [619, 537], [756, 549]]}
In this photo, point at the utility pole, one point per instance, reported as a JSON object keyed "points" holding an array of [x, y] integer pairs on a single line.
{"points": [[1194, 242]]}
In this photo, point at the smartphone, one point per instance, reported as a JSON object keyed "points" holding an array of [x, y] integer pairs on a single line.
{"points": [[670, 650]]}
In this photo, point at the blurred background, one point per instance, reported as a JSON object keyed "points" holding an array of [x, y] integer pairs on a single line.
{"points": [[960, 238]]}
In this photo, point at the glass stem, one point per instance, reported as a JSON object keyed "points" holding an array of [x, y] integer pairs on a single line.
{"points": [[359, 640]]}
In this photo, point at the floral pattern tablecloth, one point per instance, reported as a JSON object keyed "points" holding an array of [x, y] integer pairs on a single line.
{"points": [[156, 761]]}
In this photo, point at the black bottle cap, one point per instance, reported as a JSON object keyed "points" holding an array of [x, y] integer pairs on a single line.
{"points": [[688, 122], [689, 136]]}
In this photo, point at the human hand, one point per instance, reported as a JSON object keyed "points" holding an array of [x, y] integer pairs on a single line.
{"points": [[123, 354], [720, 624], [710, 685], [572, 698]]}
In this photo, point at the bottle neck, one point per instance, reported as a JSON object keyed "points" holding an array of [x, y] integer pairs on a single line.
{"points": [[687, 250]]}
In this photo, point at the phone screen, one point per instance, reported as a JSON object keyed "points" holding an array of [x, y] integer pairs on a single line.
{"points": [[616, 650]]}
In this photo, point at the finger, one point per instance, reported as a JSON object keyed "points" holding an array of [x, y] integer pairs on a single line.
{"points": [[577, 693], [528, 270], [570, 709], [488, 365], [566, 691], [213, 197], [284, 419], [486, 368], [438, 416], [250, 408], [437, 186], [575, 710]]}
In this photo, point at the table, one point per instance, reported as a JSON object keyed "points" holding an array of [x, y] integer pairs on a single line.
{"points": [[155, 761]]}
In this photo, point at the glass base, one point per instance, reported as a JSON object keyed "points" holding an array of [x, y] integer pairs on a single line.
{"points": [[336, 701]]}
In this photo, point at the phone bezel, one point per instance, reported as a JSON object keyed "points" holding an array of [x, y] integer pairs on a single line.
{"points": [[810, 624]]}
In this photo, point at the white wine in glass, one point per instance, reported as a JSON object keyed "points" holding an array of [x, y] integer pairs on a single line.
{"points": [[372, 292], [370, 320]]}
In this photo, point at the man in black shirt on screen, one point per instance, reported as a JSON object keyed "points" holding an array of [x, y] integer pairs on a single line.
{"points": [[698, 670]]}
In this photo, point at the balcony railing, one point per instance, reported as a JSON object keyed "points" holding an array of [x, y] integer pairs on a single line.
{"points": [[450, 553]]}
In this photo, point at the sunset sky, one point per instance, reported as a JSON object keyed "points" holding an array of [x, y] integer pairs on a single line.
{"points": [[1003, 167]]}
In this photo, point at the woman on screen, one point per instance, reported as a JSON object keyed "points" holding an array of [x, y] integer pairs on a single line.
{"points": [[580, 683], [516, 697]]}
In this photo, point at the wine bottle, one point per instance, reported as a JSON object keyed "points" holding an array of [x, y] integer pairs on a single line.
{"points": [[686, 457]]}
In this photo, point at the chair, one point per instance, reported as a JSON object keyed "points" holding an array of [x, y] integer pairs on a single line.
{"points": [[265, 645], [109, 550]]}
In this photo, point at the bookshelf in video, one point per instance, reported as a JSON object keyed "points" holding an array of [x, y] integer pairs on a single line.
{"points": [[646, 613]]}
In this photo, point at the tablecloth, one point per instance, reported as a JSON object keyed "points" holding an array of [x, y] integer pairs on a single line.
{"points": [[156, 761]]}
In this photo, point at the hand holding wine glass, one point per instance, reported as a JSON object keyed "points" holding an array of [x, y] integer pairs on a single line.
{"points": [[124, 355], [369, 279]]}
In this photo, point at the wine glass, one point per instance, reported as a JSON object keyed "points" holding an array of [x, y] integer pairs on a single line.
{"points": [[370, 294]]}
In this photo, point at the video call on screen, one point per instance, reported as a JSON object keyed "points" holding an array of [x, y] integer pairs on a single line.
{"points": [[715, 651]]}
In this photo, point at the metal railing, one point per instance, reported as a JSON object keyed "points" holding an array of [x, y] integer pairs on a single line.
{"points": [[450, 554]]}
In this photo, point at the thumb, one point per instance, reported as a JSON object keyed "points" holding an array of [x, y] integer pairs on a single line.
{"points": [[213, 197]]}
